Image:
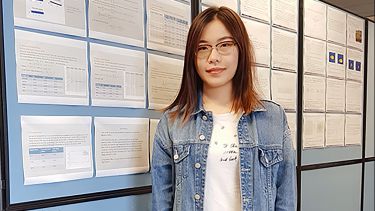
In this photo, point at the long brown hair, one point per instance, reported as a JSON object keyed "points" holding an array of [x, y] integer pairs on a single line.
{"points": [[244, 93]]}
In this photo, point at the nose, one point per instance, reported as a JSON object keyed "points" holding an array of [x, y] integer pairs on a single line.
{"points": [[214, 56]]}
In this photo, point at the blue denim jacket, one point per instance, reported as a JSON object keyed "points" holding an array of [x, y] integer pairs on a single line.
{"points": [[267, 161]]}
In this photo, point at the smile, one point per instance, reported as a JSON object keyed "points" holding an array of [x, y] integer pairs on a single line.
{"points": [[215, 70]]}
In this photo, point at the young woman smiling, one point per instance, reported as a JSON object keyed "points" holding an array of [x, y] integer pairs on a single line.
{"points": [[218, 146]]}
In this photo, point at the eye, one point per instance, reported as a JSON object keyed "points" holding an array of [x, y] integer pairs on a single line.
{"points": [[203, 48], [225, 44]]}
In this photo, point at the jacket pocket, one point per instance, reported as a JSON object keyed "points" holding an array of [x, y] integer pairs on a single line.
{"points": [[180, 152], [269, 157]]}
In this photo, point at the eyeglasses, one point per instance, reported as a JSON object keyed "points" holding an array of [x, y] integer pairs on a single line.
{"points": [[223, 48]]}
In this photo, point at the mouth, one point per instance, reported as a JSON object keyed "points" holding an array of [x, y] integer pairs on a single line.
{"points": [[215, 70]]}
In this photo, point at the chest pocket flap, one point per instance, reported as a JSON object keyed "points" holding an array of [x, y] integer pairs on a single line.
{"points": [[180, 152], [269, 157]]}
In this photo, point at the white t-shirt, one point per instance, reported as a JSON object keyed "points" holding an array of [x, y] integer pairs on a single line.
{"points": [[222, 183]]}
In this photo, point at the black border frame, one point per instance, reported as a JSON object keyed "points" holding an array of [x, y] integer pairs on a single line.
{"points": [[4, 165]]}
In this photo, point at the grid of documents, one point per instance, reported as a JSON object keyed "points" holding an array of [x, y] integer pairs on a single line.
{"points": [[333, 56], [55, 69], [124, 54]]}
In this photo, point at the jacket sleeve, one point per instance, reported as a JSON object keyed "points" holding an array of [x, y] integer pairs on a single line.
{"points": [[162, 169], [286, 196]]}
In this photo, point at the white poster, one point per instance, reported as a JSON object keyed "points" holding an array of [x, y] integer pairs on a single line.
{"points": [[259, 9], [314, 89], [336, 25], [315, 19], [335, 126], [259, 34], [117, 77], [168, 24], [354, 96], [353, 129], [51, 70], [62, 16], [335, 95], [355, 33], [313, 130], [164, 80], [285, 13], [56, 148], [284, 89], [117, 21], [121, 145], [284, 50], [314, 54]]}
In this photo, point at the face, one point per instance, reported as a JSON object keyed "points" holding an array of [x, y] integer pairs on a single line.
{"points": [[216, 67]]}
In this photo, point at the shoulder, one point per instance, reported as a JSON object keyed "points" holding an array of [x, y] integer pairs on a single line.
{"points": [[272, 109]]}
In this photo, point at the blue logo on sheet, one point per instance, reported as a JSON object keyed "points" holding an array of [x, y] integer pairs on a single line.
{"points": [[358, 66], [340, 58], [351, 64], [332, 56]]}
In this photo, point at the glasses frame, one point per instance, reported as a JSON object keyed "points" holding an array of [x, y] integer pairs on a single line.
{"points": [[217, 47]]}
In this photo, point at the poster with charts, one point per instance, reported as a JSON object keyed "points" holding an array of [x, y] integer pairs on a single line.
{"points": [[168, 24], [50, 69], [56, 148], [117, 77]]}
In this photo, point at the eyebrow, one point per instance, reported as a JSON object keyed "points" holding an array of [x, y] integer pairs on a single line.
{"points": [[220, 39]]}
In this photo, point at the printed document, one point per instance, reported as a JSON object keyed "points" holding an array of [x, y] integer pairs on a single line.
{"points": [[56, 148], [121, 145], [314, 89], [284, 50], [259, 9], [168, 24], [51, 70], [259, 34], [314, 54], [315, 19], [313, 130], [62, 16], [335, 125], [285, 13], [164, 80], [284, 89], [117, 77], [335, 95], [117, 21]]}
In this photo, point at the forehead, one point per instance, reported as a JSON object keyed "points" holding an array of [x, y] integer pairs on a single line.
{"points": [[214, 31]]}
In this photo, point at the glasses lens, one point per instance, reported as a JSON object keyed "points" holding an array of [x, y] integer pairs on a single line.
{"points": [[204, 51], [225, 48]]}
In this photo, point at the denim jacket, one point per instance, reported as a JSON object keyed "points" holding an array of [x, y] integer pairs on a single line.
{"points": [[267, 161]]}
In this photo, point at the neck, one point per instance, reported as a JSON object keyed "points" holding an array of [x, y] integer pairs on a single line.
{"points": [[218, 100]]}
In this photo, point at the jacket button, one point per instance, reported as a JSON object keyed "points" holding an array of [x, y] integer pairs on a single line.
{"points": [[204, 117], [201, 137], [175, 156], [197, 165], [197, 196]]}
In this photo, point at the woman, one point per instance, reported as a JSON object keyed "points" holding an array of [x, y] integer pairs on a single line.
{"points": [[218, 146]]}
